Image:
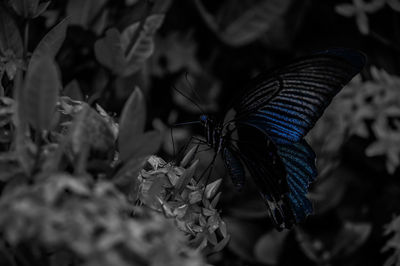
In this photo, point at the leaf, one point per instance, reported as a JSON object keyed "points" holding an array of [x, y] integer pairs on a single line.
{"points": [[51, 42], [109, 52], [189, 156], [186, 177], [244, 235], [269, 247], [73, 91], [125, 53], [150, 195], [132, 121], [89, 129], [10, 38], [393, 243], [61, 183], [329, 191], [101, 23], [82, 12], [9, 166], [2, 92], [351, 238], [221, 245], [346, 10], [143, 46], [254, 21], [11, 69], [142, 145], [330, 245], [40, 94], [25, 8], [242, 22], [394, 4], [131, 2], [24, 146], [7, 107], [126, 177], [41, 8], [362, 23], [179, 51], [212, 188]]}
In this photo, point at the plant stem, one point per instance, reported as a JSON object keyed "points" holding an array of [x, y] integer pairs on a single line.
{"points": [[209, 21], [38, 142], [384, 41], [206, 16], [26, 38]]}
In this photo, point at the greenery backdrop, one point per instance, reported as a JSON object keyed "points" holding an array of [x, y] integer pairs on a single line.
{"points": [[87, 95]]}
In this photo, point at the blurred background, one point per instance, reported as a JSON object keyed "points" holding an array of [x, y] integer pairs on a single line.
{"points": [[214, 48]]}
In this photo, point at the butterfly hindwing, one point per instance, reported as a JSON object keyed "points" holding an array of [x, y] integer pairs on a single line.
{"points": [[261, 158], [234, 167], [299, 161]]}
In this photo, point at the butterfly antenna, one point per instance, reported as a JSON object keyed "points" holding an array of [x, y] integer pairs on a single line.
{"points": [[188, 98], [192, 87], [186, 123], [173, 143]]}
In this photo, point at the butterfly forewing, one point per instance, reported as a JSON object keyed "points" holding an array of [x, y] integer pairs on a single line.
{"points": [[286, 103]]}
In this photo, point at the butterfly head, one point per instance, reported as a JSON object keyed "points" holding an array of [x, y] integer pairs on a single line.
{"points": [[203, 118]]}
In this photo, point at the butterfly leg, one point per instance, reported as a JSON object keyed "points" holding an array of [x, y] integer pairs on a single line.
{"points": [[193, 140], [209, 170]]}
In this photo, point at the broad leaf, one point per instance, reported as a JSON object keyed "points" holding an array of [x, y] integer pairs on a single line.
{"points": [[269, 247], [25, 8], [126, 177], [250, 24], [10, 38], [212, 188], [29, 8], [189, 156], [132, 121], [73, 91], [2, 92], [242, 22], [40, 94], [142, 145], [51, 43], [109, 52], [83, 12], [186, 177], [24, 147], [143, 46], [90, 130], [125, 53], [244, 236]]}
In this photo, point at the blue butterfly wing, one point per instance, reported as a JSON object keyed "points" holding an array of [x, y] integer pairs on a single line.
{"points": [[299, 161], [234, 167], [286, 103]]}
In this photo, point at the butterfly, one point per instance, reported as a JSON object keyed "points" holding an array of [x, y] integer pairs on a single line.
{"points": [[266, 129]]}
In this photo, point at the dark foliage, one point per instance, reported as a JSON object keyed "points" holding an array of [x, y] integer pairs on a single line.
{"points": [[87, 98]]}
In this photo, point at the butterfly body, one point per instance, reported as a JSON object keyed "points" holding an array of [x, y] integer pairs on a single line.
{"points": [[214, 132], [272, 117]]}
